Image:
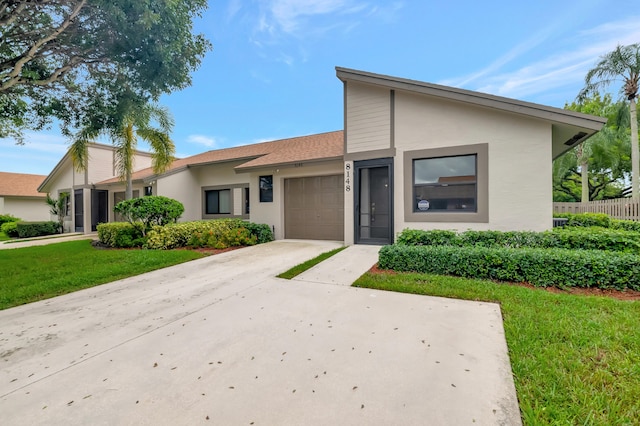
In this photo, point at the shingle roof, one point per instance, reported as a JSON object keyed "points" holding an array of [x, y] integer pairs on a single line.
{"points": [[20, 184], [319, 147]]}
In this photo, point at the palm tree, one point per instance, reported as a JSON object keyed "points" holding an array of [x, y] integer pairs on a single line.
{"points": [[623, 64], [137, 123]]}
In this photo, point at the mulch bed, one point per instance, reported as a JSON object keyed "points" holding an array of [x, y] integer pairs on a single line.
{"points": [[615, 294], [205, 250]]}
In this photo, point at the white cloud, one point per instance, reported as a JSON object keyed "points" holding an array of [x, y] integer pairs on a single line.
{"points": [[202, 140], [39, 142], [563, 69]]}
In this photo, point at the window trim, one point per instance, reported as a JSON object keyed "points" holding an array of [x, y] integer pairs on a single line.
{"points": [[481, 215], [231, 189]]}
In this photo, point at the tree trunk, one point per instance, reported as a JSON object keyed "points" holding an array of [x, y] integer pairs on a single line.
{"points": [[635, 150], [128, 192], [584, 171]]}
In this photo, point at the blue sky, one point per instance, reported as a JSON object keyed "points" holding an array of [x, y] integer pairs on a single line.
{"points": [[271, 74]]}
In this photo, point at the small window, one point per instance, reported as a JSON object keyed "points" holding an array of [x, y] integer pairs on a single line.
{"points": [[266, 189], [218, 201], [148, 190], [445, 184], [246, 201]]}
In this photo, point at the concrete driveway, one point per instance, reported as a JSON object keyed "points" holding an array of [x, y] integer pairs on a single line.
{"points": [[221, 341]]}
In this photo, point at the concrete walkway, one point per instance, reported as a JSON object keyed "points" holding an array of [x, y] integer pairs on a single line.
{"points": [[13, 244], [221, 341]]}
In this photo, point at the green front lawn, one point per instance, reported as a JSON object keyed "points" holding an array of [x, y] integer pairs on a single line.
{"points": [[36, 273], [575, 359]]}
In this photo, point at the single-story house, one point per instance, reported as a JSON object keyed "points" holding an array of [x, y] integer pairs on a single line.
{"points": [[20, 198], [412, 154]]}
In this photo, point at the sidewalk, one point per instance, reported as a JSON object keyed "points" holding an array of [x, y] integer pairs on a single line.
{"points": [[31, 242]]}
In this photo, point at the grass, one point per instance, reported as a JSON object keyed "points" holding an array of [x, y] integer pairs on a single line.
{"points": [[575, 359], [35, 273], [298, 269], [4, 237]]}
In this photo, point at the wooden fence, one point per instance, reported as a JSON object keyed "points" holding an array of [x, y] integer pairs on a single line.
{"points": [[619, 208]]}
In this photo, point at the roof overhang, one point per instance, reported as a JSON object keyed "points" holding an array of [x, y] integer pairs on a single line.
{"points": [[284, 165], [569, 128]]}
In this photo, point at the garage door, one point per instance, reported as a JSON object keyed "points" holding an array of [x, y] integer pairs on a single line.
{"points": [[314, 208]]}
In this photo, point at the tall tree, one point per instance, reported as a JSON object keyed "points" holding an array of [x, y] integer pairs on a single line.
{"points": [[596, 168], [57, 56], [622, 64], [137, 122]]}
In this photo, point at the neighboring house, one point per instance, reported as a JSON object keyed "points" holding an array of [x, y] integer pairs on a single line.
{"points": [[412, 154], [19, 196], [88, 205]]}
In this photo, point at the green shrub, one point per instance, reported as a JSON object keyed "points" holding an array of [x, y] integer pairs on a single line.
{"points": [[437, 237], [221, 233], [36, 229], [570, 238], [10, 228], [153, 210], [7, 218], [586, 219], [540, 267], [261, 231], [625, 225], [120, 235]]}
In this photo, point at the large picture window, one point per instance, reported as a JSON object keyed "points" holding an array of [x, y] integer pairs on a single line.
{"points": [[445, 184], [218, 201], [448, 184]]}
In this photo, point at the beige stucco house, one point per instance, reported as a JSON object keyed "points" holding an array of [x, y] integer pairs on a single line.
{"points": [[20, 198], [412, 154]]}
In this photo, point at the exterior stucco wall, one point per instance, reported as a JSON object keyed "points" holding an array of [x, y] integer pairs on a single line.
{"points": [[183, 187], [272, 213], [519, 157], [26, 208]]}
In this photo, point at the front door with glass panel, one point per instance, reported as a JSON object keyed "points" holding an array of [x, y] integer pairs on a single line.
{"points": [[374, 201]]}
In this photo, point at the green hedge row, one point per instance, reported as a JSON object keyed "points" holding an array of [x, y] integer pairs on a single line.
{"points": [[219, 234], [540, 267], [6, 218], [29, 229], [598, 219], [207, 233], [120, 235], [569, 238]]}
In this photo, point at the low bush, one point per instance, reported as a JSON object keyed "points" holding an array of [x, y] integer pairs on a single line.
{"points": [[10, 229], [540, 267], [598, 219], [220, 233], [36, 229], [592, 238], [625, 225], [261, 231], [154, 210], [120, 235], [7, 218]]}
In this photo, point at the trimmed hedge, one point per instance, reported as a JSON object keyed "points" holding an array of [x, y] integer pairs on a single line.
{"points": [[540, 267], [120, 235], [10, 228], [221, 233], [7, 218], [569, 238], [36, 229], [598, 219]]}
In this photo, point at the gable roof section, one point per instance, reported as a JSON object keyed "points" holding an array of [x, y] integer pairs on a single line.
{"points": [[319, 147], [20, 185], [569, 128]]}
